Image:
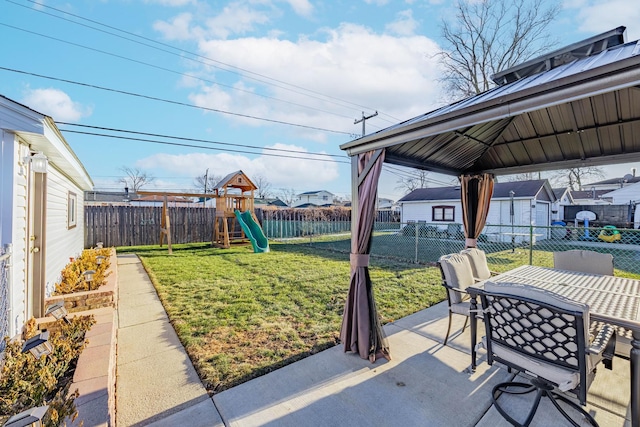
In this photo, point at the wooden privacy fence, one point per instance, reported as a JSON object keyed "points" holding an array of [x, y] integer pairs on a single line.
{"points": [[140, 225]]}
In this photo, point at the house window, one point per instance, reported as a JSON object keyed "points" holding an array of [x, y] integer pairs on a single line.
{"points": [[325, 197], [443, 213], [72, 210]]}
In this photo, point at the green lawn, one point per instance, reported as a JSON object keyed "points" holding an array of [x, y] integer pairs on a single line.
{"points": [[241, 315]]}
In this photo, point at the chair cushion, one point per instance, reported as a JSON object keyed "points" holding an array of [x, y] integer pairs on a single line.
{"points": [[478, 261], [463, 307], [457, 273], [564, 378], [584, 261]]}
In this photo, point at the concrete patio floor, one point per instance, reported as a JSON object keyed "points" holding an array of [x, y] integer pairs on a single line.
{"points": [[425, 383]]}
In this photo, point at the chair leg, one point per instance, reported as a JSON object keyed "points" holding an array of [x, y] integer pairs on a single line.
{"points": [[446, 338], [554, 397], [466, 322], [542, 389]]}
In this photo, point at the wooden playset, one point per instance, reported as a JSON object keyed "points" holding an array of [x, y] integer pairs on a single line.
{"points": [[233, 192]]}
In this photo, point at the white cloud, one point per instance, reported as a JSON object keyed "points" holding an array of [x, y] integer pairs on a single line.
{"points": [[597, 16], [55, 104], [301, 7], [377, 2], [235, 18], [173, 3], [404, 25], [179, 28], [279, 171], [397, 75]]}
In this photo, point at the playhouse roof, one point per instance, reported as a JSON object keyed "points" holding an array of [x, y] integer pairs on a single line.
{"points": [[237, 179]]}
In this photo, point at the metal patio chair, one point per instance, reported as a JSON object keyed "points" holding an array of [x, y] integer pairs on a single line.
{"points": [[584, 262], [478, 261], [457, 275], [547, 337]]}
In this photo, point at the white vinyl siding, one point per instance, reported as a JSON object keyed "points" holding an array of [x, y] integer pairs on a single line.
{"points": [[62, 242], [19, 241]]}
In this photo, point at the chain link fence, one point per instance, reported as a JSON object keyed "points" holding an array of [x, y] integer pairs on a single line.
{"points": [[5, 259], [506, 246]]}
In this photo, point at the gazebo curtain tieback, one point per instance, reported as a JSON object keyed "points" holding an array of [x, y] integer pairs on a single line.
{"points": [[359, 260], [471, 243]]}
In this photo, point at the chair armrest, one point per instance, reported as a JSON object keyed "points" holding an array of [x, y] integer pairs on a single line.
{"points": [[462, 291], [603, 340]]}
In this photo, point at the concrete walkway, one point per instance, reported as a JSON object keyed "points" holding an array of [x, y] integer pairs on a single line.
{"points": [[425, 384], [156, 383]]}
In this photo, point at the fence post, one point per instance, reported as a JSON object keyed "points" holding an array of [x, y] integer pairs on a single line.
{"points": [[416, 254], [531, 244]]}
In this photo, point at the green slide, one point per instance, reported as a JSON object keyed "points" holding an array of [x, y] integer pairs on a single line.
{"points": [[253, 231]]}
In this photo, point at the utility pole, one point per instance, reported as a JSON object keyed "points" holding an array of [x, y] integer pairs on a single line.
{"points": [[206, 180], [363, 120]]}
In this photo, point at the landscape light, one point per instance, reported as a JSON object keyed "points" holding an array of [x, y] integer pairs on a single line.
{"points": [[38, 345], [31, 417], [99, 245], [88, 276], [99, 260], [57, 310]]}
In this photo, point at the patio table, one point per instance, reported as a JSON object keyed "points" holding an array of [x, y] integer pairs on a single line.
{"points": [[614, 300]]}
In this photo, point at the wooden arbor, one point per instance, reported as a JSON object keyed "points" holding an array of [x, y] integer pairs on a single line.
{"points": [[234, 191], [165, 222]]}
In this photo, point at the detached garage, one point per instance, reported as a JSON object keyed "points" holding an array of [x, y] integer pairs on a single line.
{"points": [[441, 206]]}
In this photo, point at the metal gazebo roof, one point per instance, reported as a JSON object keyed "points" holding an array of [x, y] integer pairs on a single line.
{"points": [[582, 113]]}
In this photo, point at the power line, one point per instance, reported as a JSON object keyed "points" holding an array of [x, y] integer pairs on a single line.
{"points": [[184, 104], [243, 72], [157, 135], [174, 71], [177, 144]]}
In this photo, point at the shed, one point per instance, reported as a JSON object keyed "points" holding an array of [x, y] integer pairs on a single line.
{"points": [[41, 210]]}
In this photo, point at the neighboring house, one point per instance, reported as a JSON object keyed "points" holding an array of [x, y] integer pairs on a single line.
{"points": [[268, 202], [441, 205], [156, 200], [629, 194], [313, 199], [614, 183], [106, 198], [563, 198], [591, 197], [41, 210]]}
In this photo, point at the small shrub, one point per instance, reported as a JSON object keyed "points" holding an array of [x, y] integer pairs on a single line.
{"points": [[72, 278], [26, 382]]}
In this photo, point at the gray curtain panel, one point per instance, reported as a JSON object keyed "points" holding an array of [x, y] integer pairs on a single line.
{"points": [[361, 330]]}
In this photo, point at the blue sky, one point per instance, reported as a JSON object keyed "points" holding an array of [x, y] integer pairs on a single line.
{"points": [[291, 75]]}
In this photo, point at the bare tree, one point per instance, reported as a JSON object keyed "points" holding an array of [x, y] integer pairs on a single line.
{"points": [[264, 186], [287, 195], [206, 182], [488, 36], [527, 176], [575, 178], [411, 182], [135, 179]]}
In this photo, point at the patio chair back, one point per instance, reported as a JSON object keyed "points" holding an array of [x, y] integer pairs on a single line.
{"points": [[456, 273], [478, 260], [540, 332], [584, 261]]}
